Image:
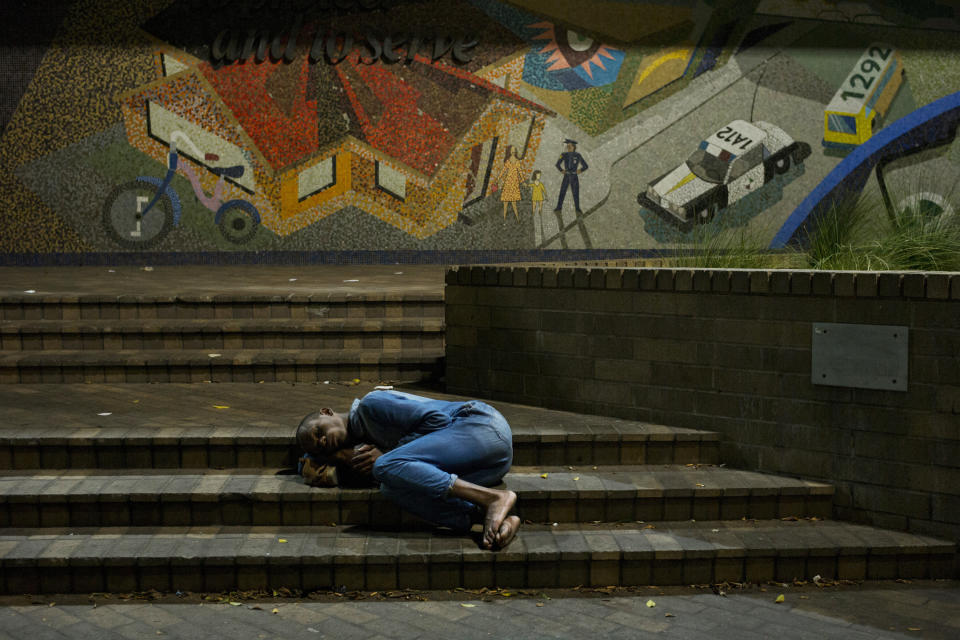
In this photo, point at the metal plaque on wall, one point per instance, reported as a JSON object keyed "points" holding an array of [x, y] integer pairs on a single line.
{"points": [[861, 356]]}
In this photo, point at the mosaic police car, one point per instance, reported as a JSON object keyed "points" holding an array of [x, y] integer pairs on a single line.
{"points": [[732, 163]]}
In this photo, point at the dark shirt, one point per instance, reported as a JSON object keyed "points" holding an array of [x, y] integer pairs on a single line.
{"points": [[571, 161]]}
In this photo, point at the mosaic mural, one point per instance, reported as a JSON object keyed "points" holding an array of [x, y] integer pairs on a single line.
{"points": [[208, 127]]}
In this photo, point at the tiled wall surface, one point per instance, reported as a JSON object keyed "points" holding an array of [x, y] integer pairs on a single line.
{"points": [[730, 350]]}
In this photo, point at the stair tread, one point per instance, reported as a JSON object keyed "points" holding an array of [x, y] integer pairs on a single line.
{"points": [[172, 413], [352, 544], [222, 325], [648, 481], [223, 357]]}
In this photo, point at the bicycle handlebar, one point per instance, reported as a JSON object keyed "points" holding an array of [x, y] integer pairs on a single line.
{"points": [[172, 157]]}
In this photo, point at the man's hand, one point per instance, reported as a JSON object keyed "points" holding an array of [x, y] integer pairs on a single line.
{"points": [[364, 457], [343, 456], [318, 475]]}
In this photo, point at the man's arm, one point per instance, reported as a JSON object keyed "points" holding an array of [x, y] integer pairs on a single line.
{"points": [[584, 163], [560, 162]]}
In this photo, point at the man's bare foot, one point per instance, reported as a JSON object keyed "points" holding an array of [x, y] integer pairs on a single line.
{"points": [[508, 531], [499, 527], [497, 512]]}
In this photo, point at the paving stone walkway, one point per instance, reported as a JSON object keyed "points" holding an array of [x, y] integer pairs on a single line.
{"points": [[866, 611]]}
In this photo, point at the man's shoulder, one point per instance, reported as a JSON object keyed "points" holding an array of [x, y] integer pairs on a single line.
{"points": [[389, 395]]}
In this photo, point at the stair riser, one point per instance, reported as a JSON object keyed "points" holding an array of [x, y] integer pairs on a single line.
{"points": [[284, 455], [227, 310], [370, 509], [215, 340], [221, 372], [88, 575]]}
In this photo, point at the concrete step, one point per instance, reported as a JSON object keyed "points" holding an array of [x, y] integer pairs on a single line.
{"points": [[216, 334], [230, 305], [231, 425], [413, 364], [265, 497], [225, 446], [320, 558]]}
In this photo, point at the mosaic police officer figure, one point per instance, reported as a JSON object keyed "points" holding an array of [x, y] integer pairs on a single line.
{"points": [[571, 164]]}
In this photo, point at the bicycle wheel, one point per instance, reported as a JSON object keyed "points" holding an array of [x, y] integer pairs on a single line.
{"points": [[238, 221], [125, 221]]}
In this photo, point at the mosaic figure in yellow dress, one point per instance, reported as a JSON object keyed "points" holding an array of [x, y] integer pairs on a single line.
{"points": [[538, 192], [509, 182]]}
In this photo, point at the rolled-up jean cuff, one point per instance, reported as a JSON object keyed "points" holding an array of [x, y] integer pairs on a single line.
{"points": [[453, 479]]}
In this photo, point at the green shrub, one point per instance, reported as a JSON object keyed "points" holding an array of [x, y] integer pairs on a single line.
{"points": [[856, 234]]}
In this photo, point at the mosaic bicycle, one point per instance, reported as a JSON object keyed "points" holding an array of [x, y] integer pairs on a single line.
{"points": [[139, 214]]}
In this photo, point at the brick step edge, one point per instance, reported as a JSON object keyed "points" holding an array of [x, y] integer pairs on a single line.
{"points": [[264, 499], [322, 558], [22, 328], [374, 365], [322, 297], [207, 358], [428, 305], [181, 449]]}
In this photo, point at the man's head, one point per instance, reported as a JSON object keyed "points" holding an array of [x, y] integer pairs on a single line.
{"points": [[571, 145], [322, 432]]}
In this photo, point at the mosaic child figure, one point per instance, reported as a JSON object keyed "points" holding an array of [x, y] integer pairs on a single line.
{"points": [[433, 458], [571, 164], [538, 192]]}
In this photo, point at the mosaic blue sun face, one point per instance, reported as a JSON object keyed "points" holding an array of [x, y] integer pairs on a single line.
{"points": [[564, 60]]}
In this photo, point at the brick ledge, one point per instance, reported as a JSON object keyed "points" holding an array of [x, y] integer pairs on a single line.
{"points": [[842, 284]]}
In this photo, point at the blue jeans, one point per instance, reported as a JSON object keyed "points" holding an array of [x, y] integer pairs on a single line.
{"points": [[476, 446]]}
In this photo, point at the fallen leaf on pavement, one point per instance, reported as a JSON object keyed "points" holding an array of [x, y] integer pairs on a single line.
{"points": [[283, 539], [215, 355], [780, 599], [669, 615], [220, 406], [539, 604], [275, 610], [544, 475], [651, 604], [236, 604], [467, 605], [105, 414]]}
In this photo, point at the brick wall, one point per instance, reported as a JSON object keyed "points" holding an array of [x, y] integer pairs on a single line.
{"points": [[730, 351]]}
